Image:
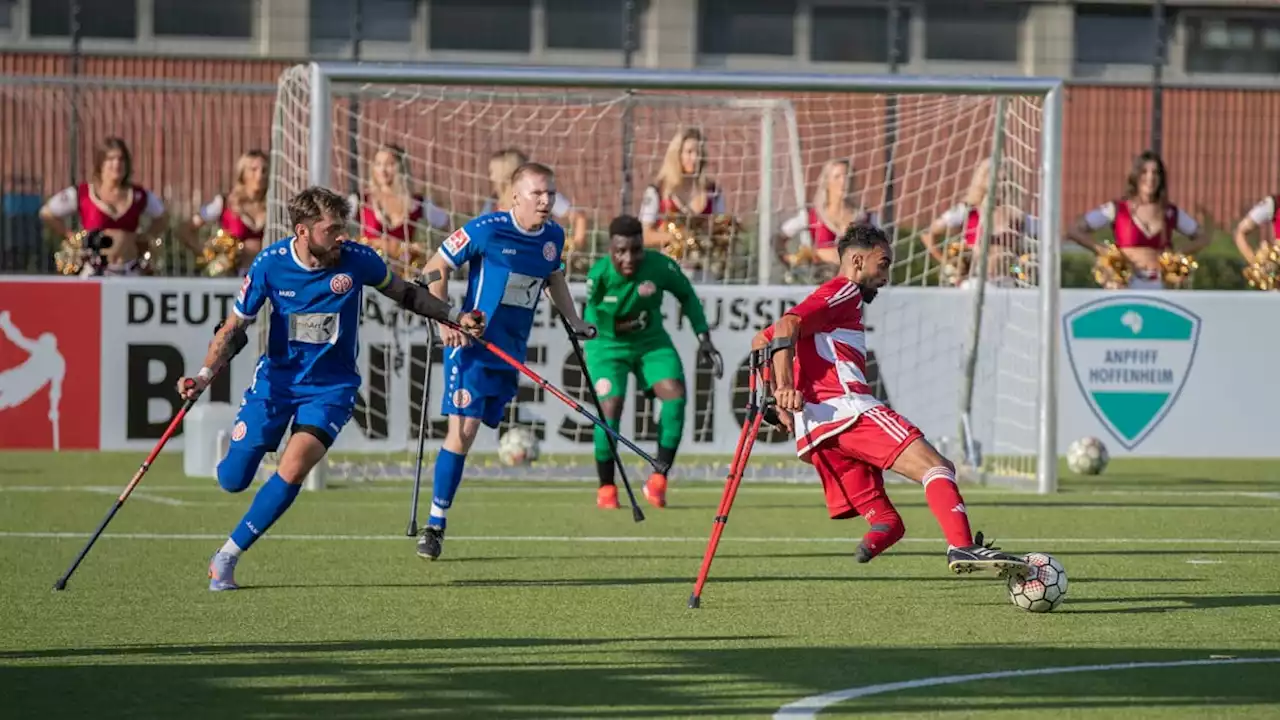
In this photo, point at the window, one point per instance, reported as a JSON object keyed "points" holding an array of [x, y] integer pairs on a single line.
{"points": [[1234, 45], [380, 20], [224, 19], [494, 25], [749, 27], [6, 14], [1117, 34], [971, 30], [856, 34], [588, 24], [98, 19]]}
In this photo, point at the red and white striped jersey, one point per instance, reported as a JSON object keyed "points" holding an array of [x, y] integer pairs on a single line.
{"points": [[830, 362]]}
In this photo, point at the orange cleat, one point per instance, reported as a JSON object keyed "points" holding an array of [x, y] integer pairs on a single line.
{"points": [[607, 497], [655, 491]]}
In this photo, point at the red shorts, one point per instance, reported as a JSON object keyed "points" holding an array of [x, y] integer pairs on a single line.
{"points": [[851, 464]]}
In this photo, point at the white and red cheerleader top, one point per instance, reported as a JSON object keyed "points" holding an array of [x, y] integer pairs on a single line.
{"points": [[375, 224], [94, 214], [654, 206], [231, 221], [968, 218], [1129, 233]]}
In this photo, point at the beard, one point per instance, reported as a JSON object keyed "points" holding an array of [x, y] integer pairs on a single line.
{"points": [[326, 257], [868, 293]]}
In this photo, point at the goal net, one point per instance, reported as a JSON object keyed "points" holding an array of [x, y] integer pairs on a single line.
{"points": [[902, 160]]}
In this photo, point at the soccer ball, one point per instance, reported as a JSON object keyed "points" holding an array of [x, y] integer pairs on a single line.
{"points": [[1043, 589], [1087, 456], [518, 446]]}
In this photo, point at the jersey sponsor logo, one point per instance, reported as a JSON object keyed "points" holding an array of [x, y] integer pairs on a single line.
{"points": [[1131, 357], [238, 432], [50, 373], [313, 328], [341, 283], [549, 251], [461, 398], [458, 240], [603, 386], [647, 288], [521, 291]]}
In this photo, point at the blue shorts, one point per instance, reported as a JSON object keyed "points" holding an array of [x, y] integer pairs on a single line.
{"points": [[475, 390], [261, 422]]}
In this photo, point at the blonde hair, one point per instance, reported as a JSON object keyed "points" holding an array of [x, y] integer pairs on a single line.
{"points": [[402, 166], [820, 197], [503, 165], [239, 193], [671, 174]]}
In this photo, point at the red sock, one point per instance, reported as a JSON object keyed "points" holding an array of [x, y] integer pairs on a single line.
{"points": [[886, 525], [947, 506]]}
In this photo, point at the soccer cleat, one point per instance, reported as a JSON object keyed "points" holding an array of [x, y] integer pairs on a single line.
{"points": [[863, 554], [655, 491], [431, 543], [985, 557], [222, 569], [607, 497]]}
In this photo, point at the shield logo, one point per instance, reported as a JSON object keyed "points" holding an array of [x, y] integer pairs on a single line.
{"points": [[1131, 357]]}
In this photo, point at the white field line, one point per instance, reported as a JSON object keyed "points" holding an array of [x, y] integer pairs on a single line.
{"points": [[144, 495], [809, 707], [700, 487], [19, 535]]}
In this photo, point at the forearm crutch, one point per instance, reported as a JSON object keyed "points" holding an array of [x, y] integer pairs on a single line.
{"points": [[757, 399]]}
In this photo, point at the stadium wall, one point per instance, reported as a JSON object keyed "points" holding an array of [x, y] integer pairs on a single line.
{"points": [[1154, 374], [1220, 143]]}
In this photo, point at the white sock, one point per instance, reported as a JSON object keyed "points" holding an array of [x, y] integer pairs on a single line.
{"points": [[437, 512], [231, 548]]}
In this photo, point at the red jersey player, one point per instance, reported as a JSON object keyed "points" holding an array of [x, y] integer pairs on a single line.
{"points": [[818, 352]]}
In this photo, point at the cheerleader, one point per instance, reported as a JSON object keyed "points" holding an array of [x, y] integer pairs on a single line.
{"points": [[1143, 222], [240, 217], [130, 218], [391, 216], [1010, 228], [831, 211]]}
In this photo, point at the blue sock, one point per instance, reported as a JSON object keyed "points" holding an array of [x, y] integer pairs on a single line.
{"points": [[273, 498], [444, 485]]}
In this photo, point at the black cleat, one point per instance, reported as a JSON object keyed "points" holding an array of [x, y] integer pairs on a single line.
{"points": [[985, 557], [863, 554], [431, 542]]}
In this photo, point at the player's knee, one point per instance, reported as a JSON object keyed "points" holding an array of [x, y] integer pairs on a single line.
{"points": [[612, 408], [236, 471], [669, 390]]}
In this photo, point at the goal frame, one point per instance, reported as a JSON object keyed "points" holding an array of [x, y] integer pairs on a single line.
{"points": [[1051, 90]]}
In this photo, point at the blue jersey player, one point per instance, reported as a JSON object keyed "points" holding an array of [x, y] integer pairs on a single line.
{"points": [[307, 374], [511, 257]]}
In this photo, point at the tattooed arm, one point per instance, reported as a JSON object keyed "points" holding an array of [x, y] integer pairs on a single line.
{"points": [[229, 339]]}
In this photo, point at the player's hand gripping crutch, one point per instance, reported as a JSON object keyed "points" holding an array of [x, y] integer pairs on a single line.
{"points": [[595, 398], [562, 396], [238, 340], [758, 400]]}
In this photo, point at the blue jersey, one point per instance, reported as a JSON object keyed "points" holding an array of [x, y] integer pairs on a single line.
{"points": [[508, 268], [315, 318]]}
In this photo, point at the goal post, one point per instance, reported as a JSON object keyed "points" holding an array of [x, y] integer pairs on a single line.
{"points": [[991, 368]]}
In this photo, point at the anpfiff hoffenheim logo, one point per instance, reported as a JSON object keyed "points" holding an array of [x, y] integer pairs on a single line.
{"points": [[1131, 357]]}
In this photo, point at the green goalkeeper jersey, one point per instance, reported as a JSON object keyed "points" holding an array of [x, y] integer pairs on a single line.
{"points": [[628, 311]]}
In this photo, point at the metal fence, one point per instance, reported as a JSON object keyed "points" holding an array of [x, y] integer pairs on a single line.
{"points": [[1220, 143]]}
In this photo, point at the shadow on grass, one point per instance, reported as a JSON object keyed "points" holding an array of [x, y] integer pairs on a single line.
{"points": [[595, 677]]}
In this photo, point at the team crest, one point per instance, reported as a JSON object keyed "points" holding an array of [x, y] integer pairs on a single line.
{"points": [[238, 432], [461, 398], [1131, 357], [647, 288], [549, 251], [458, 240], [603, 386], [341, 283]]}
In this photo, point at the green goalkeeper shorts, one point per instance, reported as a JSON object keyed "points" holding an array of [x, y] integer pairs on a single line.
{"points": [[610, 365]]}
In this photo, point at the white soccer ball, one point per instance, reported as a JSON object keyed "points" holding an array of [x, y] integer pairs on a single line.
{"points": [[1043, 589], [518, 446], [1087, 456]]}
